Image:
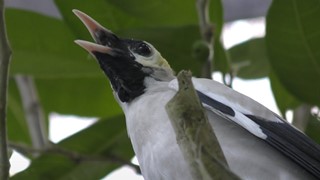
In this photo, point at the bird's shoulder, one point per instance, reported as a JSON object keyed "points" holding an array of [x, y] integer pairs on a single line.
{"points": [[219, 95]]}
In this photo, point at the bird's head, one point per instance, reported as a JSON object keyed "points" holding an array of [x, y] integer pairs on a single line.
{"points": [[126, 62]]}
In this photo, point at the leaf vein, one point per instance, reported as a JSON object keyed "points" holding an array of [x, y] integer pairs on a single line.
{"points": [[304, 38]]}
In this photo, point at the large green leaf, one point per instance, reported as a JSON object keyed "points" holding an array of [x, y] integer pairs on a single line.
{"points": [[119, 16], [293, 41], [43, 47], [284, 99], [124, 14], [249, 59], [105, 138], [91, 97]]}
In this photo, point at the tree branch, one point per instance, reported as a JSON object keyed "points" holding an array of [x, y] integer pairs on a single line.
{"points": [[73, 155], [195, 135], [228, 79], [301, 116], [206, 29], [33, 111], [5, 56]]}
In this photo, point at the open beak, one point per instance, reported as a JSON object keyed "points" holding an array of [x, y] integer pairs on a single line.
{"points": [[95, 29], [106, 41]]}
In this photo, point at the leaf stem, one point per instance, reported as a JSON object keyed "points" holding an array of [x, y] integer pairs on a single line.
{"points": [[34, 114], [301, 116], [5, 56], [206, 29]]}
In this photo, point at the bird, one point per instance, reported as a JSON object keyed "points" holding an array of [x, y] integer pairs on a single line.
{"points": [[256, 142]]}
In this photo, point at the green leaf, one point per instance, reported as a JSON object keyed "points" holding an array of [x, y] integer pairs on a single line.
{"points": [[16, 124], [123, 14], [249, 59], [313, 128], [43, 47], [91, 97], [221, 57], [285, 101], [216, 15], [104, 138], [293, 41]]}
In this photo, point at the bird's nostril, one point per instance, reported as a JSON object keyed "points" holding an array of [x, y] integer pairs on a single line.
{"points": [[106, 39]]}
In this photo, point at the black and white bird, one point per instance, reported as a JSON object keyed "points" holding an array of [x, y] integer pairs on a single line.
{"points": [[256, 142]]}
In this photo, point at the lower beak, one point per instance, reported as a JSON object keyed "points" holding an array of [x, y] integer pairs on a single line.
{"points": [[93, 48]]}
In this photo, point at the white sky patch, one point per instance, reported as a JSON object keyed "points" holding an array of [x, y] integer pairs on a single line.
{"points": [[62, 126], [18, 163], [124, 172], [243, 30], [316, 112], [289, 116]]}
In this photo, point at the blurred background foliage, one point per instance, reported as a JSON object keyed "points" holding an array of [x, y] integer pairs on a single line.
{"points": [[68, 80]]}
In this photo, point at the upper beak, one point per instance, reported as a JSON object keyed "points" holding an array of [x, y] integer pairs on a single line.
{"points": [[107, 41], [95, 29]]}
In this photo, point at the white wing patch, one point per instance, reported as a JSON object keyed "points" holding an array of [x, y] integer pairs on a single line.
{"points": [[239, 116]]}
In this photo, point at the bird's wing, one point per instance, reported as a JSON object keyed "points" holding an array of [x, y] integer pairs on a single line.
{"points": [[259, 121]]}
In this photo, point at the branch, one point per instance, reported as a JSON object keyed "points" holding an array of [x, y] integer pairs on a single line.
{"points": [[73, 155], [195, 135], [228, 80], [33, 111], [301, 116], [206, 29], [5, 56]]}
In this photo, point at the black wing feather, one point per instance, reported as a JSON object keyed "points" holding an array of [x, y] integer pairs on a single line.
{"points": [[292, 143], [280, 135], [215, 104]]}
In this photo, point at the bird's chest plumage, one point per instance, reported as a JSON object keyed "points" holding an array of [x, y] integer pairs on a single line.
{"points": [[153, 138]]}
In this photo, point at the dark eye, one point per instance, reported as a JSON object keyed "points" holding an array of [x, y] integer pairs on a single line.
{"points": [[143, 49]]}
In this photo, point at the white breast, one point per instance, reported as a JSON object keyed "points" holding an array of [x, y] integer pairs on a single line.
{"points": [[153, 138]]}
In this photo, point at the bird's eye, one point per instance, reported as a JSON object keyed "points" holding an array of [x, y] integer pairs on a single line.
{"points": [[143, 49]]}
